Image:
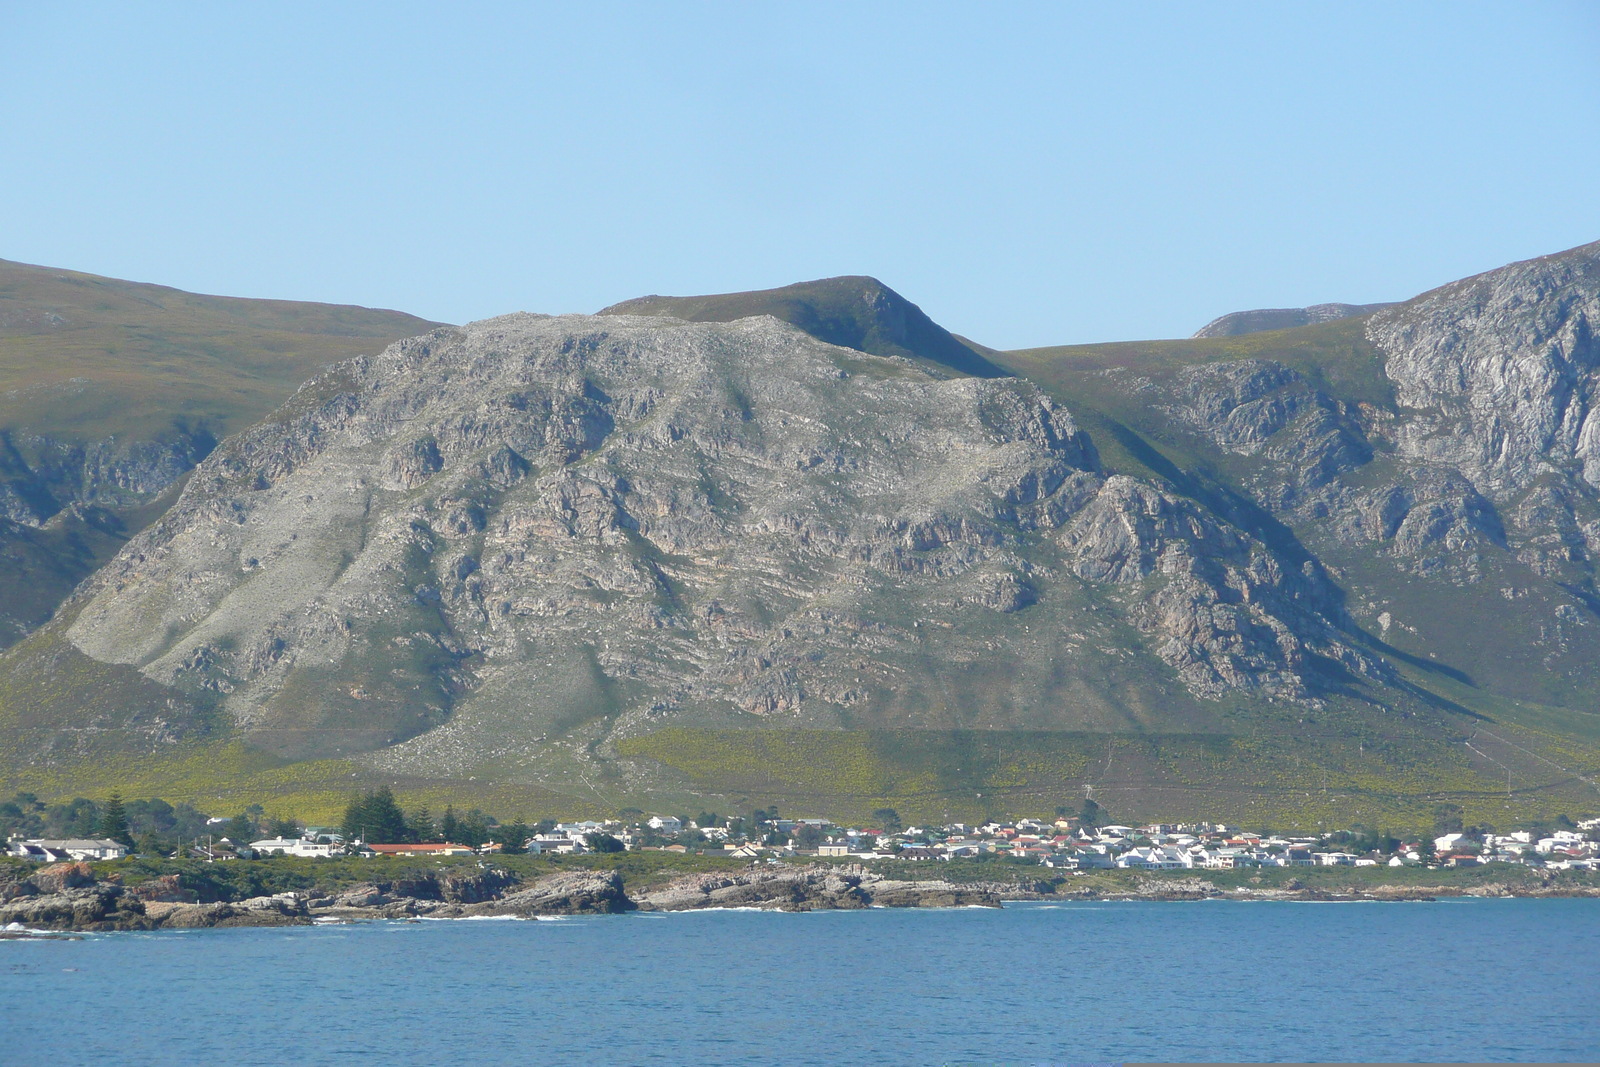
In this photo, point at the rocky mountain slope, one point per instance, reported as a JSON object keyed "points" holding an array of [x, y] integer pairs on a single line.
{"points": [[490, 537], [803, 556], [113, 390], [1262, 319]]}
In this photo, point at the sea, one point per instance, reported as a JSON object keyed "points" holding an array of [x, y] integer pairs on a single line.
{"points": [[1032, 983]]}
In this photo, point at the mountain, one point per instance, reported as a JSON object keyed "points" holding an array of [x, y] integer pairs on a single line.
{"points": [[1340, 572], [1262, 319], [113, 390], [853, 312]]}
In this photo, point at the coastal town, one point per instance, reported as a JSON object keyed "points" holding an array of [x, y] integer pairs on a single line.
{"points": [[1075, 842]]}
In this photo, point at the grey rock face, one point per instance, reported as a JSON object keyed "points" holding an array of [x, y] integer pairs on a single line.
{"points": [[1452, 440], [489, 536], [41, 476], [1498, 373]]}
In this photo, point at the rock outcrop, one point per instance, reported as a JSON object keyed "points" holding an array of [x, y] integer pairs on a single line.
{"points": [[566, 893], [813, 888]]}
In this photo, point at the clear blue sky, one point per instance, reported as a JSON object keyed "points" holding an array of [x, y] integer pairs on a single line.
{"points": [[1028, 173]]}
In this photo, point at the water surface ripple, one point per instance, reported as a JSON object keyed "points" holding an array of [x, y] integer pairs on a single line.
{"points": [[1033, 983]]}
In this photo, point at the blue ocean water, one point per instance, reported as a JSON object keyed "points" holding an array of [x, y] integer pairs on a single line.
{"points": [[1033, 983]]}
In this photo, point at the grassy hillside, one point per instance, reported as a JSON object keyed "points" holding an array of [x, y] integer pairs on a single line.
{"points": [[109, 389], [854, 312], [83, 358]]}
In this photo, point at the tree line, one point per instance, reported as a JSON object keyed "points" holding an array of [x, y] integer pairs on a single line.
{"points": [[377, 819]]}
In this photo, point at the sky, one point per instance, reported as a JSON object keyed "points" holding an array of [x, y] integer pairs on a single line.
{"points": [[1028, 173]]}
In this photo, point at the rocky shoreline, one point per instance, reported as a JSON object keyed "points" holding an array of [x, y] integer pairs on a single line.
{"points": [[69, 896]]}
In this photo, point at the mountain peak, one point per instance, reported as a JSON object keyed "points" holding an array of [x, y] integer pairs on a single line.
{"points": [[853, 311]]}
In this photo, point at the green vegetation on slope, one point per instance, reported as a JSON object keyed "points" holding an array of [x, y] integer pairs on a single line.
{"points": [[853, 312], [109, 389], [84, 358], [1315, 770]]}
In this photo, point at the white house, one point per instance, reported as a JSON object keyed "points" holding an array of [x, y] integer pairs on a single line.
{"points": [[295, 846], [667, 824], [77, 848], [275, 846], [1162, 858], [545, 843]]}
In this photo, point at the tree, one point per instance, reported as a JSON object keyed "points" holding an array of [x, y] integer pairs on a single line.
{"points": [[286, 828], [114, 821], [449, 829], [806, 836], [80, 817], [603, 842], [154, 816], [375, 818], [1446, 819], [514, 838], [889, 819], [239, 829], [1091, 813], [419, 824], [474, 828]]}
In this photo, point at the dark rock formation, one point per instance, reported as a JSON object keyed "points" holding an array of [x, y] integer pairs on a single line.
{"points": [[567, 893]]}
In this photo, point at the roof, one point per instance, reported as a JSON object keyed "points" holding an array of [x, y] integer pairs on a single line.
{"points": [[427, 848]]}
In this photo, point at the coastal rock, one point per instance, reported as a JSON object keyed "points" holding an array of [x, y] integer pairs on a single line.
{"points": [[164, 889], [566, 893], [814, 888], [449, 886], [93, 907], [1177, 889], [58, 877], [280, 910], [783, 889], [932, 893]]}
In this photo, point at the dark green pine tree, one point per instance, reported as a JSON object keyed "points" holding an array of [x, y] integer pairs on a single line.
{"points": [[514, 838], [355, 817], [419, 825], [240, 829], [1091, 814], [114, 821], [375, 818], [474, 828], [449, 828]]}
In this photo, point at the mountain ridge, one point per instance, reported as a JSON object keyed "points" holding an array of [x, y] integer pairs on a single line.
{"points": [[114, 390], [685, 553], [1261, 320], [854, 311]]}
